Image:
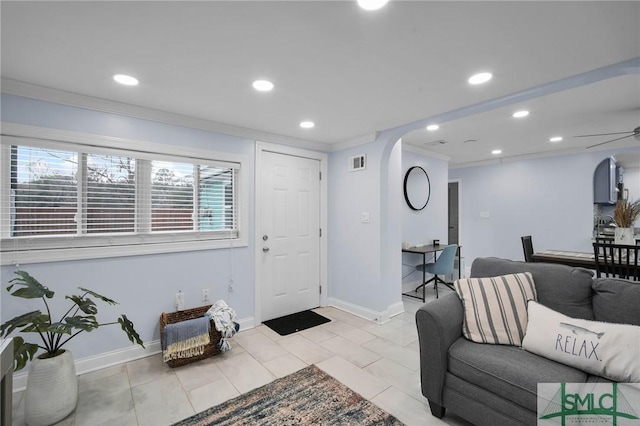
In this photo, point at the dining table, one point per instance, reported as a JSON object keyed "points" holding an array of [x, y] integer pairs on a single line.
{"points": [[565, 257]]}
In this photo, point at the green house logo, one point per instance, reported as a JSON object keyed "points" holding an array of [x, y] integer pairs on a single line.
{"points": [[603, 403]]}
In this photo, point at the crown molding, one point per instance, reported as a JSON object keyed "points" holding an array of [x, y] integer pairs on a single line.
{"points": [[357, 141], [531, 156], [423, 151], [43, 93]]}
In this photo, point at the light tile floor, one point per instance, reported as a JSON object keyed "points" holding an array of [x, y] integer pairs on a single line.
{"points": [[380, 362]]}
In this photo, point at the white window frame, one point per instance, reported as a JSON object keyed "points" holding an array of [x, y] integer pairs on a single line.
{"points": [[50, 249]]}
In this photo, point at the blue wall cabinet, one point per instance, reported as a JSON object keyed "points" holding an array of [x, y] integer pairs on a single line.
{"points": [[605, 189]]}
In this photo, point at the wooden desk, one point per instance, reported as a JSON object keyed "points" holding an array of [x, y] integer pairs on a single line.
{"points": [[424, 250], [563, 257]]}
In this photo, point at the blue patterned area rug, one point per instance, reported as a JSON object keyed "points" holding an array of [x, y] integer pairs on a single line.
{"points": [[307, 397]]}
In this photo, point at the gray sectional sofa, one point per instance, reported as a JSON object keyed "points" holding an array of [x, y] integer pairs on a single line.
{"points": [[496, 384]]}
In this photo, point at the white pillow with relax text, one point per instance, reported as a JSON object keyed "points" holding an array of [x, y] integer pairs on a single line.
{"points": [[601, 348]]}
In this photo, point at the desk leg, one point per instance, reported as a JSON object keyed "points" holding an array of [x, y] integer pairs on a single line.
{"points": [[424, 276]]}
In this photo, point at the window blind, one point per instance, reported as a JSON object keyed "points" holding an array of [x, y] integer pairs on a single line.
{"points": [[82, 194], [172, 196], [216, 198], [110, 195], [44, 192]]}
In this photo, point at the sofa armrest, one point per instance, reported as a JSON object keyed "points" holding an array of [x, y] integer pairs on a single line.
{"points": [[439, 324]]}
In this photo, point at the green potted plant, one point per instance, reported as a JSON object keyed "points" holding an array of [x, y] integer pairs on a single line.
{"points": [[52, 387], [624, 216]]}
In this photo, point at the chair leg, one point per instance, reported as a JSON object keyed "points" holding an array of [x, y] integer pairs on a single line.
{"points": [[425, 283], [437, 410], [446, 284], [435, 284]]}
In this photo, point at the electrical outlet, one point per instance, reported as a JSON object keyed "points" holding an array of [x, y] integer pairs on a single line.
{"points": [[205, 295]]}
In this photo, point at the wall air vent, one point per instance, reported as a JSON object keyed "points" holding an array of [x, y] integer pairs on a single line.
{"points": [[359, 162]]}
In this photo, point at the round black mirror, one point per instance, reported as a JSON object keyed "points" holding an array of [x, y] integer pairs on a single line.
{"points": [[417, 188]]}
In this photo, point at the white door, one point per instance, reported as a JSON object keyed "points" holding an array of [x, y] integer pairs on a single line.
{"points": [[290, 234]]}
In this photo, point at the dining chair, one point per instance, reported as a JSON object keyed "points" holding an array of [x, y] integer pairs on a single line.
{"points": [[444, 265], [527, 247], [603, 240], [616, 260]]}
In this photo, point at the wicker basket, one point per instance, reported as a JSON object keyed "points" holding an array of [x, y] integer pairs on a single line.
{"points": [[174, 317]]}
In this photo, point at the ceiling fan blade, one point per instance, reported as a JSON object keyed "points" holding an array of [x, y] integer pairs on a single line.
{"points": [[612, 140], [602, 134]]}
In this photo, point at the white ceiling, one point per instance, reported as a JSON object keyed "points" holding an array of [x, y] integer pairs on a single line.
{"points": [[352, 72]]}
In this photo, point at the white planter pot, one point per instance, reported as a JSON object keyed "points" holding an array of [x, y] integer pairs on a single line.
{"points": [[52, 390], [624, 236]]}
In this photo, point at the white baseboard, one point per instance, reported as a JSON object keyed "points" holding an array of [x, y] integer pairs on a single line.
{"points": [[379, 317], [246, 323], [396, 309], [100, 361], [119, 356]]}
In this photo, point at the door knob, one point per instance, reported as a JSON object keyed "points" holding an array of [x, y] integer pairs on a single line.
{"points": [[265, 249]]}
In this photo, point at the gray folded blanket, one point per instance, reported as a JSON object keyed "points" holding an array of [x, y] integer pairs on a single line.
{"points": [[185, 339]]}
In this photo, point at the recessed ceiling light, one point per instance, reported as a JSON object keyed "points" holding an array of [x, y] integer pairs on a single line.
{"points": [[480, 78], [496, 151], [432, 127], [520, 114], [555, 139], [263, 85], [127, 80], [372, 4], [307, 124]]}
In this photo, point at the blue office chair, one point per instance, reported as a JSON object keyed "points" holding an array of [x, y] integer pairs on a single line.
{"points": [[444, 265]]}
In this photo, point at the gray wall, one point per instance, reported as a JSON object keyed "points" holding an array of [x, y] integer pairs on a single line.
{"points": [[550, 199], [354, 247], [422, 227], [144, 285]]}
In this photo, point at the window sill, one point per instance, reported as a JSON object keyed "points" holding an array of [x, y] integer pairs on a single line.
{"points": [[83, 253]]}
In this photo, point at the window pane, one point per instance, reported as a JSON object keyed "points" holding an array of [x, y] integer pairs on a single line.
{"points": [[111, 192], [171, 196], [44, 191], [216, 198], [63, 196]]}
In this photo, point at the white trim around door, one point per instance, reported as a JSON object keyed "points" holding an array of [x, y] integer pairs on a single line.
{"points": [[464, 273], [262, 147]]}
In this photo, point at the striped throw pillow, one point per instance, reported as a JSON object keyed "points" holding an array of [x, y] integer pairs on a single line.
{"points": [[495, 309]]}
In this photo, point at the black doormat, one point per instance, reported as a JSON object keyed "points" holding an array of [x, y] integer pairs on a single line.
{"points": [[296, 322]]}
